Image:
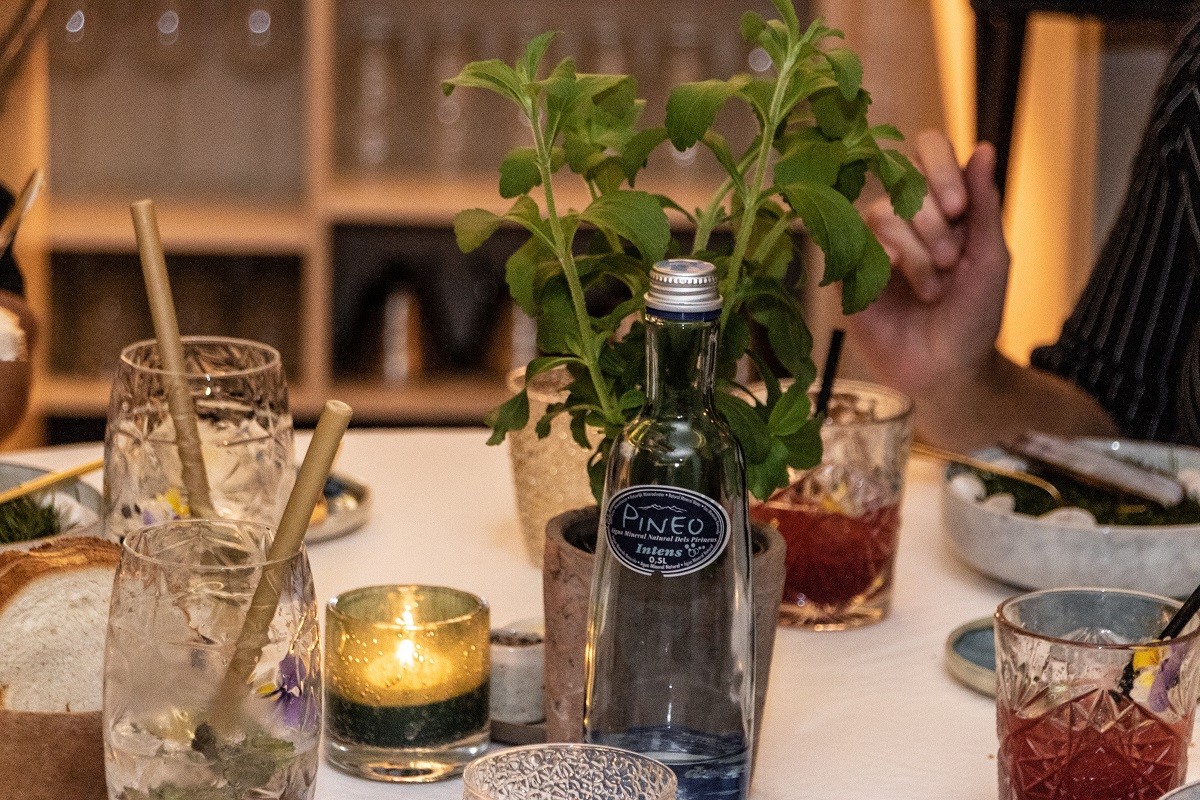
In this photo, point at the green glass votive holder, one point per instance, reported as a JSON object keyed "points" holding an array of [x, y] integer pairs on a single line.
{"points": [[406, 692]]}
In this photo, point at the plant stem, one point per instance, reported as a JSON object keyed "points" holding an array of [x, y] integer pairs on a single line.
{"points": [[753, 191], [567, 259]]}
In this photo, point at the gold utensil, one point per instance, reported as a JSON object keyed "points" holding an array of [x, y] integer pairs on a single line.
{"points": [[929, 451], [49, 479]]}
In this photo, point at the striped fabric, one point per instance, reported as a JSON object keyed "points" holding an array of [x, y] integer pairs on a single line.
{"points": [[1133, 340]]}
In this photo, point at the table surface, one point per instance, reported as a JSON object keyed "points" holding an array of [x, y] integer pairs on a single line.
{"points": [[868, 713]]}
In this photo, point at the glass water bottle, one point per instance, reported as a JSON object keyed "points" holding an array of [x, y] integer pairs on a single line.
{"points": [[670, 655]]}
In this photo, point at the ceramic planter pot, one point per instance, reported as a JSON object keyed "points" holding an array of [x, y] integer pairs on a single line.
{"points": [[566, 586], [550, 474]]}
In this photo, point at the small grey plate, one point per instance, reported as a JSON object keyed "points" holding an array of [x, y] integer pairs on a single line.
{"points": [[971, 655], [349, 504], [1190, 791], [85, 494]]}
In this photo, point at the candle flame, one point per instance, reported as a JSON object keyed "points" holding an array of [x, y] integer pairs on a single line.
{"points": [[406, 652]]}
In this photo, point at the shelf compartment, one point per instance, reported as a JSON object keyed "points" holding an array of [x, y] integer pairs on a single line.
{"points": [[408, 304], [100, 301]]}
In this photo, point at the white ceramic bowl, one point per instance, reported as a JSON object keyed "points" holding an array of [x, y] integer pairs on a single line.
{"points": [[1034, 553], [1189, 791], [84, 494]]}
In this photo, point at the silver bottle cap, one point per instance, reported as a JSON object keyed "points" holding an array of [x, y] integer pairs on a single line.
{"points": [[683, 286]]}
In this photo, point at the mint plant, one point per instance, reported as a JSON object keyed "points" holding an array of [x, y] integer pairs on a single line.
{"points": [[804, 169]]}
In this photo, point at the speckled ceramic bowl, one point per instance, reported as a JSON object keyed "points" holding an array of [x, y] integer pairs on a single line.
{"points": [[1189, 791], [1036, 553]]}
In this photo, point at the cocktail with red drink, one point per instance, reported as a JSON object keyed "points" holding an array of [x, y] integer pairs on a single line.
{"points": [[1088, 706], [841, 519]]}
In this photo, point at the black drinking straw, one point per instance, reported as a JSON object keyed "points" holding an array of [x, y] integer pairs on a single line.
{"points": [[830, 371], [1173, 628]]}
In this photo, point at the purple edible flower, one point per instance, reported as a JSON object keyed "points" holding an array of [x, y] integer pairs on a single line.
{"points": [[293, 695], [1164, 681]]}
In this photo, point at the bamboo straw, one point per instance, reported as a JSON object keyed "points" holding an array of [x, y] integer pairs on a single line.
{"points": [[49, 479], [170, 348], [310, 482]]}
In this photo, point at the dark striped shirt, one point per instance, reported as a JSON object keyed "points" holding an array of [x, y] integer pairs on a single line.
{"points": [[1133, 339]]}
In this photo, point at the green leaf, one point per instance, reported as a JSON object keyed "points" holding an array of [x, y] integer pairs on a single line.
{"points": [[493, 75], [834, 225], [863, 286], [556, 325], [758, 93], [579, 431], [790, 339], [526, 272], [534, 52], [791, 411], [598, 468], [632, 400], [525, 212], [634, 216], [848, 70], [788, 11], [751, 26], [904, 182], [562, 92], [770, 35], [519, 172], [764, 476], [835, 115], [851, 180], [720, 148], [804, 446], [511, 415], [614, 95], [748, 426], [546, 363], [811, 161], [637, 151], [887, 132], [608, 174], [473, 227], [692, 107]]}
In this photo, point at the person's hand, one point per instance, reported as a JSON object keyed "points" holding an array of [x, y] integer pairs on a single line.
{"points": [[935, 326]]}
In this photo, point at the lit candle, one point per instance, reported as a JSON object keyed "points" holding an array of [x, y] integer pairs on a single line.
{"points": [[407, 681]]}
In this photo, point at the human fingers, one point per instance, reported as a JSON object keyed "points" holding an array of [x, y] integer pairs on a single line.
{"points": [[906, 250], [943, 175], [985, 228]]}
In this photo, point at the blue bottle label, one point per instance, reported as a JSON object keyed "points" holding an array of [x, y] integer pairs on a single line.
{"points": [[665, 530]]}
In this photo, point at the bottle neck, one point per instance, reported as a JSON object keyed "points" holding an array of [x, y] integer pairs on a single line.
{"points": [[681, 359]]}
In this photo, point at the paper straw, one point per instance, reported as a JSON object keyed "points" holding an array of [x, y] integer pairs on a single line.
{"points": [[289, 538], [49, 479], [170, 348]]}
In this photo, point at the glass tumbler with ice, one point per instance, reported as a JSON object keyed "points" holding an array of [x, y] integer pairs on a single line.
{"points": [[239, 393], [1088, 705], [181, 595], [841, 519]]}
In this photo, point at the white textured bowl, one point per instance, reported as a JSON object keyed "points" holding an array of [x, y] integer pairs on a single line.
{"points": [[86, 495], [1034, 553], [1189, 791]]}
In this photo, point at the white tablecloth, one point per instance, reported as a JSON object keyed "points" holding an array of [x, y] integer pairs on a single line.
{"points": [[869, 714]]}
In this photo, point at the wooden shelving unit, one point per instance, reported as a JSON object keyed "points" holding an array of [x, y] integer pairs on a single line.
{"points": [[296, 220]]}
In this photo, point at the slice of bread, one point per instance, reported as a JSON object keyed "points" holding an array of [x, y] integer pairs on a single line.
{"points": [[53, 614]]}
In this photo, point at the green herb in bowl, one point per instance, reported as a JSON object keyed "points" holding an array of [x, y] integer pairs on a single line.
{"points": [[1109, 508], [26, 519]]}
